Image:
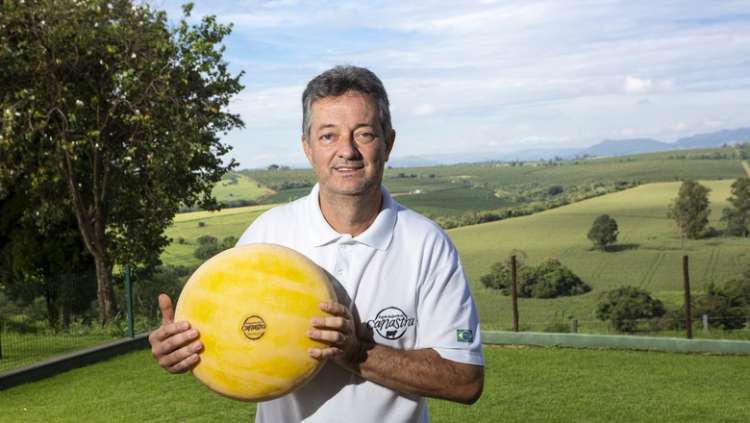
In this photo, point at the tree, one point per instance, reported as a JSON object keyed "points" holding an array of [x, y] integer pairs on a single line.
{"points": [[690, 209], [47, 261], [105, 103], [737, 216], [603, 231], [625, 305]]}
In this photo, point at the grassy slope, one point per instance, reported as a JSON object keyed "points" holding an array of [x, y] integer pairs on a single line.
{"points": [[440, 185], [651, 257], [523, 384], [227, 222], [245, 188]]}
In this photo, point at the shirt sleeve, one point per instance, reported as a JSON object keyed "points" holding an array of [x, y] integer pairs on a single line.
{"points": [[447, 316]]}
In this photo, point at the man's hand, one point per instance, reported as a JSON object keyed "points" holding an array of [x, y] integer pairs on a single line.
{"points": [[336, 330], [174, 345]]}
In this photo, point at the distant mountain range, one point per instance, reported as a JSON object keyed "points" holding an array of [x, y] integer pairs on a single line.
{"points": [[606, 148]]}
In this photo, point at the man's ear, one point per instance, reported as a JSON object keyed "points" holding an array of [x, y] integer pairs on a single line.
{"points": [[389, 140]]}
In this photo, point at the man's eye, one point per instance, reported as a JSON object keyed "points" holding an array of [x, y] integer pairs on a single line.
{"points": [[327, 138], [365, 137]]}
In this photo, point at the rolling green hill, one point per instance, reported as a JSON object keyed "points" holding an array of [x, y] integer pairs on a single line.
{"points": [[236, 187], [453, 190], [649, 257], [649, 250]]}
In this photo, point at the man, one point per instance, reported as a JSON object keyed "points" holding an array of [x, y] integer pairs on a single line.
{"points": [[400, 275]]}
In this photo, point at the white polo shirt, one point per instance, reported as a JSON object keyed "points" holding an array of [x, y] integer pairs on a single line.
{"points": [[407, 284]]}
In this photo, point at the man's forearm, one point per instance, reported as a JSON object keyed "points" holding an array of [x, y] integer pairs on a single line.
{"points": [[421, 372]]}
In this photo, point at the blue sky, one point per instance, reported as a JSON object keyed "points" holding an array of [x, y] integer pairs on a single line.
{"points": [[492, 75]]}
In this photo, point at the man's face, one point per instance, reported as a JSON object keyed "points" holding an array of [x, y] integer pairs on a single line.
{"points": [[346, 146]]}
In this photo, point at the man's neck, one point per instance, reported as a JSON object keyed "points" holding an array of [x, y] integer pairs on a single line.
{"points": [[350, 214]]}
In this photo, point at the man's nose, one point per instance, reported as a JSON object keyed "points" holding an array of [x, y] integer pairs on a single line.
{"points": [[348, 149]]}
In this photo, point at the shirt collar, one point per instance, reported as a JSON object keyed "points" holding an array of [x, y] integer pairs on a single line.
{"points": [[378, 235]]}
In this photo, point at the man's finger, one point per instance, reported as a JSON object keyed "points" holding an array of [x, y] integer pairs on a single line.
{"points": [[324, 353], [328, 336], [336, 309], [337, 323], [172, 361], [185, 364], [167, 312]]}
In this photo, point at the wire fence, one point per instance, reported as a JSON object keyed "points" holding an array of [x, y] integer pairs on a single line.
{"points": [[30, 334]]}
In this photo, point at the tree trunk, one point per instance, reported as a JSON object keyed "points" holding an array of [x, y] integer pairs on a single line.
{"points": [[91, 223], [105, 295], [52, 313], [66, 312]]}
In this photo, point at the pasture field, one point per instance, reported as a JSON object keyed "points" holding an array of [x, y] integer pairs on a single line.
{"points": [[237, 186], [221, 224], [648, 254], [444, 190], [521, 384]]}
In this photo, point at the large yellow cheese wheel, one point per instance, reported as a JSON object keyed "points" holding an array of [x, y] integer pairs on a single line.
{"points": [[252, 305]]}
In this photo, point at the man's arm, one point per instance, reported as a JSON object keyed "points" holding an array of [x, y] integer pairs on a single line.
{"points": [[421, 372]]}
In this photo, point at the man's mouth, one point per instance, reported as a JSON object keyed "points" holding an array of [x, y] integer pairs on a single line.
{"points": [[347, 169]]}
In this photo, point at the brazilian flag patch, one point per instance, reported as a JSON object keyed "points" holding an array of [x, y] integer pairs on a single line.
{"points": [[465, 335]]}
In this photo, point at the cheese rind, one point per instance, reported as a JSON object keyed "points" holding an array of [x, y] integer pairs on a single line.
{"points": [[252, 306]]}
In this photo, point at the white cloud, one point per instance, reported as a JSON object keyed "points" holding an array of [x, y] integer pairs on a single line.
{"points": [[529, 72], [424, 110], [635, 85]]}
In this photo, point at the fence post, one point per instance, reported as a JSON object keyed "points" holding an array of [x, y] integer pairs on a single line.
{"points": [[514, 291], [686, 284], [574, 326], [705, 323], [129, 299], [1, 339]]}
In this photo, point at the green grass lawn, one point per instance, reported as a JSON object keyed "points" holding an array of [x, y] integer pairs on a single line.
{"points": [[521, 384], [23, 349]]}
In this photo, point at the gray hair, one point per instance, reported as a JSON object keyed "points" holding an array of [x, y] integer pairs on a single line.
{"points": [[337, 81]]}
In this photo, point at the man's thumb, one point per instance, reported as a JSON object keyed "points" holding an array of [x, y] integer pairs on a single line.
{"points": [[167, 312]]}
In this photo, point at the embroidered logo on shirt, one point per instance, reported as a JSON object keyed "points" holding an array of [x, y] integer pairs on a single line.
{"points": [[465, 335], [391, 323]]}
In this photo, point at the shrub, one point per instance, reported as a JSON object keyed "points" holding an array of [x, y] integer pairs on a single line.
{"points": [[207, 239], [208, 246], [725, 306], [201, 224], [625, 305], [550, 279], [555, 190], [164, 279]]}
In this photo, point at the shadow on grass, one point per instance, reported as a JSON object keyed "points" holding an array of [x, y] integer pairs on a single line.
{"points": [[621, 247]]}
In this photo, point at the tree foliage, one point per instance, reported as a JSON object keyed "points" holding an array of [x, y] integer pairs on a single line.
{"points": [[47, 262], [603, 231], [550, 279], [625, 305], [737, 215], [209, 246], [109, 111], [690, 209]]}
